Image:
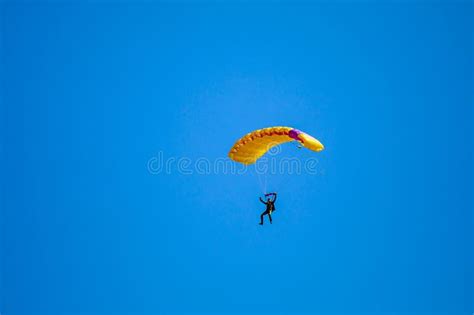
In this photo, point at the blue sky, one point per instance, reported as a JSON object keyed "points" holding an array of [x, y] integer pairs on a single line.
{"points": [[92, 92]]}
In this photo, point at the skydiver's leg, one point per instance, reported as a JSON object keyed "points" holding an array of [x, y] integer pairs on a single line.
{"points": [[261, 217], [270, 217]]}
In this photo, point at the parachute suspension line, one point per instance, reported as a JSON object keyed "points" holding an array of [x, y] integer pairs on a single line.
{"points": [[262, 179], [262, 188], [265, 182], [263, 175]]}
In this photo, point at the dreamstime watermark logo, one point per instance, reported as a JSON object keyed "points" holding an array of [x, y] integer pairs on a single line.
{"points": [[268, 164]]}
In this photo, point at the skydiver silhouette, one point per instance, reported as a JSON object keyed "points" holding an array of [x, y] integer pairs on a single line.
{"points": [[270, 203]]}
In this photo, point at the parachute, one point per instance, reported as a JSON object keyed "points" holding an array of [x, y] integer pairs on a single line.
{"points": [[255, 144]]}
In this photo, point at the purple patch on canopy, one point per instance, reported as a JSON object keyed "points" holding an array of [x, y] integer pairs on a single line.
{"points": [[294, 134]]}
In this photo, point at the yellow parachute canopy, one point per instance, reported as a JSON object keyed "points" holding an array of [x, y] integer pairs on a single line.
{"points": [[253, 145]]}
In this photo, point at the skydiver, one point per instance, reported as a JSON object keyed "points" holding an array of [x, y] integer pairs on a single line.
{"points": [[270, 203]]}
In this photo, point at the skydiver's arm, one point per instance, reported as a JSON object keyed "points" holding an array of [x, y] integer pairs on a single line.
{"points": [[262, 200], [274, 197]]}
